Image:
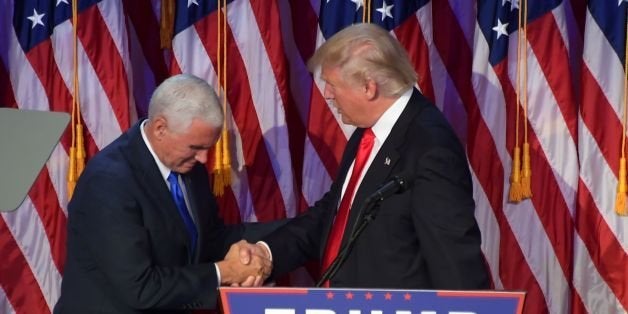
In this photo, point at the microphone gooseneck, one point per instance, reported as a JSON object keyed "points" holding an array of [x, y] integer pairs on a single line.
{"points": [[397, 184]]}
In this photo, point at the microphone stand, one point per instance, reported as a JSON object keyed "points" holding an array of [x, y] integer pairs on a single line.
{"points": [[370, 207]]}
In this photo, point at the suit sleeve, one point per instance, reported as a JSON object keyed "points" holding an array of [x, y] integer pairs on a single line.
{"points": [[118, 246], [444, 221], [298, 241]]}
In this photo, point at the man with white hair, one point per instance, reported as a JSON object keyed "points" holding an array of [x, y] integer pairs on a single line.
{"points": [[143, 228]]}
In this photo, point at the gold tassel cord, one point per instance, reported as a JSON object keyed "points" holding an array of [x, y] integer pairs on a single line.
{"points": [[366, 11], [515, 193], [77, 149], [222, 160], [365, 3], [526, 169], [79, 141], [80, 147], [218, 186], [226, 157], [622, 185], [166, 24]]}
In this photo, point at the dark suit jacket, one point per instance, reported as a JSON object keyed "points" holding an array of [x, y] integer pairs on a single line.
{"points": [[424, 238], [127, 249]]}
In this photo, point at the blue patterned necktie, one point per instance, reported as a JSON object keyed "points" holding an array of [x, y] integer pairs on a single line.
{"points": [[177, 195]]}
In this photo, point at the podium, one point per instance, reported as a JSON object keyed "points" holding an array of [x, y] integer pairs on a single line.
{"points": [[367, 301], [27, 139]]}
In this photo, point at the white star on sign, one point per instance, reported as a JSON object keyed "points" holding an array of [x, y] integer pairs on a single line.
{"points": [[358, 3], [190, 2], [500, 29], [36, 18], [385, 10], [62, 1]]}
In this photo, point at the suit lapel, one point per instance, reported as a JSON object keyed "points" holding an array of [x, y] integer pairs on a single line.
{"points": [[192, 199], [151, 181], [384, 165]]}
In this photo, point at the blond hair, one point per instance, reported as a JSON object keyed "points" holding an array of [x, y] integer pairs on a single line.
{"points": [[367, 51]]}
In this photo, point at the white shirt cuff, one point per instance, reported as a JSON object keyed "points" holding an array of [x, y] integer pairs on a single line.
{"points": [[217, 274], [270, 253]]}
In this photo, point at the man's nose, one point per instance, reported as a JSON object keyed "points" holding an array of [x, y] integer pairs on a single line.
{"points": [[201, 156]]}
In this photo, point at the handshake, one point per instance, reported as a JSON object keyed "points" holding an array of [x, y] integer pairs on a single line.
{"points": [[245, 265]]}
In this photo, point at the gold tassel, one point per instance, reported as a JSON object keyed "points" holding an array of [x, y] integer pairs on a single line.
{"points": [[514, 194], [71, 180], [222, 165], [526, 173], [219, 182], [622, 188], [226, 158], [80, 150], [77, 159]]}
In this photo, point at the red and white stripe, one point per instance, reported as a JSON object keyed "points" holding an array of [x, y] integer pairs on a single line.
{"points": [[33, 237], [603, 258], [565, 247]]}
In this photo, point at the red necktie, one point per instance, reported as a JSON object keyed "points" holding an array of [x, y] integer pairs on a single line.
{"points": [[337, 230]]}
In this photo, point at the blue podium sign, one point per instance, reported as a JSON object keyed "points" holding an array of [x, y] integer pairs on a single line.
{"points": [[367, 301]]}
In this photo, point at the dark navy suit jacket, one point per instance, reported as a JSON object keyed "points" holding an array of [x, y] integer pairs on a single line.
{"points": [[127, 249], [424, 238]]}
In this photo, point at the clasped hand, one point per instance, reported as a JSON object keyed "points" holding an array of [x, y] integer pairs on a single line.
{"points": [[245, 265]]}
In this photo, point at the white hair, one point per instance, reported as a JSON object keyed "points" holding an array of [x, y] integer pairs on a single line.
{"points": [[183, 98]]}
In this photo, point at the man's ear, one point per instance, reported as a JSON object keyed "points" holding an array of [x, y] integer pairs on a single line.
{"points": [[370, 89], [159, 127]]}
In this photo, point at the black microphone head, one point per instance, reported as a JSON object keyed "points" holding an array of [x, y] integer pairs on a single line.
{"points": [[395, 185], [405, 180]]}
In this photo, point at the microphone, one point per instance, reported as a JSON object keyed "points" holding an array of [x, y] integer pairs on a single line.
{"points": [[397, 184]]}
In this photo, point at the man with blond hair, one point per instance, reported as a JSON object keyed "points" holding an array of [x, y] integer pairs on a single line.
{"points": [[423, 238]]}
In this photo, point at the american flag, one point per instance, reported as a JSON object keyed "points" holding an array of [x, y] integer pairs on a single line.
{"points": [[565, 246]]}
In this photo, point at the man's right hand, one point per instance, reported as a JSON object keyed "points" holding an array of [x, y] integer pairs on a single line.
{"points": [[245, 264]]}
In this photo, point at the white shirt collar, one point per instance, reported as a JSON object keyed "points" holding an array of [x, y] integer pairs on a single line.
{"points": [[381, 129], [165, 171], [384, 125]]}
